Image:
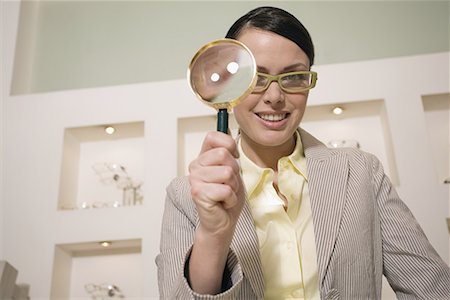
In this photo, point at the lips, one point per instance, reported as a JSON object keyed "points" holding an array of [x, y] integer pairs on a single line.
{"points": [[272, 117]]}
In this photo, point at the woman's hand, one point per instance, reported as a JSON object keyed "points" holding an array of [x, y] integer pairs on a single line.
{"points": [[216, 185], [218, 194]]}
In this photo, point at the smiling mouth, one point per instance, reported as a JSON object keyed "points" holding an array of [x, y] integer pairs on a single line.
{"points": [[273, 117]]}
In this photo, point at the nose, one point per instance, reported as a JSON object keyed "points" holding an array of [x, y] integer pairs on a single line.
{"points": [[273, 94]]}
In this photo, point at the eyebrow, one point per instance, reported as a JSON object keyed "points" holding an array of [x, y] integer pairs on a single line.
{"points": [[285, 69]]}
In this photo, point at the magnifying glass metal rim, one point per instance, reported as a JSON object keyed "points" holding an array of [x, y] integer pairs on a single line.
{"points": [[227, 104]]}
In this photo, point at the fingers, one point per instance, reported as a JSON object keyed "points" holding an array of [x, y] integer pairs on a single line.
{"points": [[225, 175], [214, 190], [212, 195], [215, 139], [216, 166], [215, 157], [218, 150], [215, 174]]}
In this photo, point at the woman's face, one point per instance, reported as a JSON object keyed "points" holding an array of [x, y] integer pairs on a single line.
{"points": [[270, 118]]}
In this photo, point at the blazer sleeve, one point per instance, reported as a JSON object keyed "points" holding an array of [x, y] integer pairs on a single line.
{"points": [[411, 265], [177, 236]]}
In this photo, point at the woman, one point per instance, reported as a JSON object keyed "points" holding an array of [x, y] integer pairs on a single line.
{"points": [[275, 214]]}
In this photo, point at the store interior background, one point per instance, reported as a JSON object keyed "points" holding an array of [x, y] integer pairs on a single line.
{"points": [[70, 68]]}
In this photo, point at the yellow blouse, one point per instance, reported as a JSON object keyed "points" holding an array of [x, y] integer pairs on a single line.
{"points": [[286, 236]]}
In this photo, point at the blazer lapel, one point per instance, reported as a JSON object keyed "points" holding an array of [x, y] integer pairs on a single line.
{"points": [[327, 184], [245, 245]]}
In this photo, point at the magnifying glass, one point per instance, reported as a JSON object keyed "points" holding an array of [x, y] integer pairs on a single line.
{"points": [[220, 74]]}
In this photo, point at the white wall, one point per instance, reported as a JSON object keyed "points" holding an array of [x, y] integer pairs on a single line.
{"points": [[79, 44], [9, 12], [33, 155], [3, 94]]}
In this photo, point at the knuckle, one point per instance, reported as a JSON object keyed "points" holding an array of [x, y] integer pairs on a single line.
{"points": [[228, 172], [228, 191], [191, 166], [222, 153], [231, 201], [230, 144], [209, 137], [195, 191]]}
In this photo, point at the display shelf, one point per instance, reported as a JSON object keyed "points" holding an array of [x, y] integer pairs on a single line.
{"points": [[361, 124], [85, 270], [100, 169], [437, 118]]}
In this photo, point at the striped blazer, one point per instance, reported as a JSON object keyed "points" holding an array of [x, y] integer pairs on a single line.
{"points": [[362, 231]]}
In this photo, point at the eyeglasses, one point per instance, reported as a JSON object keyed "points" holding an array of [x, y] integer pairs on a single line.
{"points": [[292, 82]]}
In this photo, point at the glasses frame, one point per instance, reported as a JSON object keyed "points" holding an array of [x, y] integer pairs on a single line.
{"points": [[278, 79]]}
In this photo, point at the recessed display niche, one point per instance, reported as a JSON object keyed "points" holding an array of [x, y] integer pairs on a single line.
{"points": [[102, 166], [361, 124], [98, 270], [437, 118]]}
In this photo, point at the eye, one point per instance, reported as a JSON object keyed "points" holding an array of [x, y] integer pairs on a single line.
{"points": [[296, 80], [261, 80]]}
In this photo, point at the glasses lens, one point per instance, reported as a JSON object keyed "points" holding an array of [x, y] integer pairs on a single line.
{"points": [[296, 81], [261, 82]]}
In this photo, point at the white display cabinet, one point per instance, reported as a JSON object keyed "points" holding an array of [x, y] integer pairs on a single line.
{"points": [[437, 116], [97, 270], [100, 169]]}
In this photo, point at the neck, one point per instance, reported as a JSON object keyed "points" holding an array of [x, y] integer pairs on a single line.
{"points": [[266, 156]]}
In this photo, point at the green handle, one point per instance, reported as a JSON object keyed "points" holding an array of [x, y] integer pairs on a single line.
{"points": [[222, 120]]}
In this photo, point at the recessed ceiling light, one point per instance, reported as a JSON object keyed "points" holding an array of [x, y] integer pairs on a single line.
{"points": [[110, 129], [105, 244], [338, 110]]}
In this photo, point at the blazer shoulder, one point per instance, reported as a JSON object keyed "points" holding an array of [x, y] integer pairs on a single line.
{"points": [[367, 165], [358, 156]]}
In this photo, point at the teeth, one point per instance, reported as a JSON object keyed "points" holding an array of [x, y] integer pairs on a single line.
{"points": [[272, 118]]}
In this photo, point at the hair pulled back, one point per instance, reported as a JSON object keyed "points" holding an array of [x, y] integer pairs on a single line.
{"points": [[277, 21]]}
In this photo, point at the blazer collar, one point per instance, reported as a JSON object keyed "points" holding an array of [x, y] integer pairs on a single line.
{"points": [[313, 148]]}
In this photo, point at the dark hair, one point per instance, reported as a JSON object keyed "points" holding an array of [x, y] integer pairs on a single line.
{"points": [[278, 21]]}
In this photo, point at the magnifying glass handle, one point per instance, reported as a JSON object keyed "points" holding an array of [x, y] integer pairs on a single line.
{"points": [[222, 120]]}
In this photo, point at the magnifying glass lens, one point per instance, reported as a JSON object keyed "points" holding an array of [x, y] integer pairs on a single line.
{"points": [[221, 73]]}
